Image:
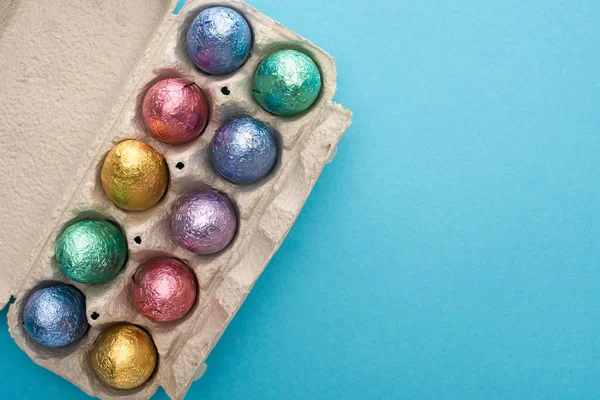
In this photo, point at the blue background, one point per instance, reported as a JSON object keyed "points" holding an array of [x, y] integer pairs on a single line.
{"points": [[452, 249]]}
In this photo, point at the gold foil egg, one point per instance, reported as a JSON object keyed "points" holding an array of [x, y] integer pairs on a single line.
{"points": [[123, 356], [134, 175]]}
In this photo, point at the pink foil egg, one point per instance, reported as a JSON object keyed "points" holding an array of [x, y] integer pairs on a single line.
{"points": [[163, 289], [175, 110]]}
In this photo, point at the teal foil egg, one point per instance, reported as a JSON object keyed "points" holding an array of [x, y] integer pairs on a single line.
{"points": [[91, 251], [287, 83]]}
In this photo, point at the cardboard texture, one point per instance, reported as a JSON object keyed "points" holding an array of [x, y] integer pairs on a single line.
{"points": [[73, 77]]}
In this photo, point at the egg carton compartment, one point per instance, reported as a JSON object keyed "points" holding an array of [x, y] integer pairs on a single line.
{"points": [[266, 209]]}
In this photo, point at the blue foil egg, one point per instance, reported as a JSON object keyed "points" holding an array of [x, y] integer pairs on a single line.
{"points": [[243, 150], [219, 40], [54, 316]]}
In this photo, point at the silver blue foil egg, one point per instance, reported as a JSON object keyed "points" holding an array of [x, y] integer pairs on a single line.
{"points": [[219, 40], [54, 316], [243, 150]]}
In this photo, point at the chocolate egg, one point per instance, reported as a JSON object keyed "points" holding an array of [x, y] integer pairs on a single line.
{"points": [[243, 150], [134, 175], [91, 251], [175, 110], [287, 83], [219, 40], [54, 316], [163, 289], [123, 356], [203, 221]]}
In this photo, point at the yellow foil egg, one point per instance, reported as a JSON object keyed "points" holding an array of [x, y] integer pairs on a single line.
{"points": [[124, 356], [134, 175]]}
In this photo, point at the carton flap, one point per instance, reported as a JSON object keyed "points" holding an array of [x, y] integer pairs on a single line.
{"points": [[63, 66]]}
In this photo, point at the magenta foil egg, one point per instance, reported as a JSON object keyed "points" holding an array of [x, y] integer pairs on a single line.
{"points": [[163, 289], [175, 110], [203, 221]]}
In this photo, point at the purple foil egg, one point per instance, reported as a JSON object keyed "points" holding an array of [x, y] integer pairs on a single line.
{"points": [[203, 221]]}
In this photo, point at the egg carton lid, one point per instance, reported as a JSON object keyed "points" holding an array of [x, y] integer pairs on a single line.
{"points": [[65, 67]]}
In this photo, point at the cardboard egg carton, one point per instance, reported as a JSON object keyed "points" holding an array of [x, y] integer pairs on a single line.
{"points": [[267, 209]]}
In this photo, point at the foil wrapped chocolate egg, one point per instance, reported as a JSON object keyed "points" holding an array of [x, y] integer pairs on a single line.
{"points": [[243, 150], [91, 251], [134, 175], [163, 289], [287, 83], [175, 110], [218, 40], [203, 221], [123, 356], [54, 316]]}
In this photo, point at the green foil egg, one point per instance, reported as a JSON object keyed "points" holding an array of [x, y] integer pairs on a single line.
{"points": [[287, 83], [91, 251]]}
